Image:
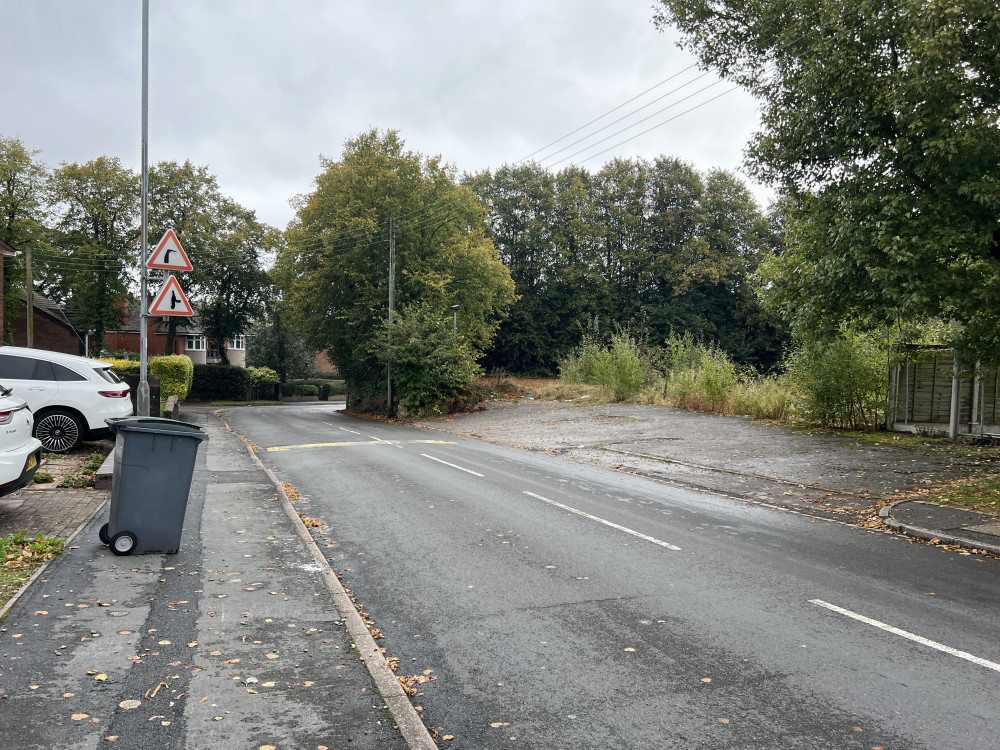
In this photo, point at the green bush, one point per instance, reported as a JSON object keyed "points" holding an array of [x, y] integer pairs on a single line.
{"points": [[176, 372], [432, 369], [262, 376], [844, 382], [219, 383], [293, 390], [617, 368]]}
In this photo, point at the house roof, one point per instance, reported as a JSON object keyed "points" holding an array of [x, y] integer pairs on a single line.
{"points": [[6, 249], [55, 310], [187, 325]]}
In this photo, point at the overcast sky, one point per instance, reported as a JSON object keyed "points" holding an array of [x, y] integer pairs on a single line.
{"points": [[257, 90]]}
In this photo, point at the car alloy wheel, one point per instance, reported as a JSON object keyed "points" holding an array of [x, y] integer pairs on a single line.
{"points": [[58, 431]]}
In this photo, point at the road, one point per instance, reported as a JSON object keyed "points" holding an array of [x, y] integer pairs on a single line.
{"points": [[559, 605]]}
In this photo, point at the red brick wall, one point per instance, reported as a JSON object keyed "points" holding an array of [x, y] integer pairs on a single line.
{"points": [[49, 335], [323, 363], [154, 341]]}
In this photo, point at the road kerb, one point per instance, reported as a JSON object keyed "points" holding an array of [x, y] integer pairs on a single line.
{"points": [[398, 702]]}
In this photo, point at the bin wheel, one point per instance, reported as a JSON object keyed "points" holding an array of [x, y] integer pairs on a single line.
{"points": [[103, 535], [123, 543]]}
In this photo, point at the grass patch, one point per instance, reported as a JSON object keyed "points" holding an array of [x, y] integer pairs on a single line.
{"points": [[978, 493], [20, 557]]}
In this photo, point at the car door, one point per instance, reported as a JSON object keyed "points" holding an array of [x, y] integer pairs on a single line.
{"points": [[31, 379]]}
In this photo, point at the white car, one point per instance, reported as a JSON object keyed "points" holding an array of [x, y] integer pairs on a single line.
{"points": [[70, 396], [20, 453]]}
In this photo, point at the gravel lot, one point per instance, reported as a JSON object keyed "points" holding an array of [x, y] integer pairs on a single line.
{"points": [[818, 473]]}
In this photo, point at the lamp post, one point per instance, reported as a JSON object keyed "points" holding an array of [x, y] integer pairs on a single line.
{"points": [[454, 313]]}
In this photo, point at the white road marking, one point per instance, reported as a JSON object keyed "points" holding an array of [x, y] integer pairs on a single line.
{"points": [[373, 441], [347, 430], [627, 530], [454, 466], [909, 636]]}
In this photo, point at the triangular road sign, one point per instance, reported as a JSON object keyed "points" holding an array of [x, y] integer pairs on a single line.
{"points": [[171, 300], [169, 254]]}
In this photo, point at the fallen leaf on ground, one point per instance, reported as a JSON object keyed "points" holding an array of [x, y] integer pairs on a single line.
{"points": [[706, 679], [498, 724], [723, 721], [80, 717], [129, 704]]}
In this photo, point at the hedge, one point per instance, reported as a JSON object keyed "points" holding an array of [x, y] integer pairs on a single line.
{"points": [[324, 387], [176, 373], [220, 383]]}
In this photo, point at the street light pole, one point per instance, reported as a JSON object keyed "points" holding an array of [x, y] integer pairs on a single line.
{"points": [[454, 313], [142, 395]]}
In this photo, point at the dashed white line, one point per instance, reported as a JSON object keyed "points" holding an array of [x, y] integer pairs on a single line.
{"points": [[352, 431], [909, 636], [454, 466], [627, 530]]}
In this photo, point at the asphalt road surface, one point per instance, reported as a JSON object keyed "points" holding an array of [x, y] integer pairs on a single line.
{"points": [[559, 605]]}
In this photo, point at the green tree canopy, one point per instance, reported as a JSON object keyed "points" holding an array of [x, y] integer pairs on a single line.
{"points": [[94, 245], [224, 242], [880, 124], [335, 269], [650, 245], [23, 203]]}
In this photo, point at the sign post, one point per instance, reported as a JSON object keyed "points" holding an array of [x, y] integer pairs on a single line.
{"points": [[142, 394]]}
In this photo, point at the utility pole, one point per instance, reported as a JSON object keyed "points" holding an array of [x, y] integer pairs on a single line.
{"points": [[392, 302], [142, 396], [29, 285]]}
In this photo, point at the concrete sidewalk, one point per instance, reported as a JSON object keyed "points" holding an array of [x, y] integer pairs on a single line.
{"points": [[944, 524], [234, 642]]}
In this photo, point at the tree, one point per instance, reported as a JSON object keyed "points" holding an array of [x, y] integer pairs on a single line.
{"points": [[187, 199], [97, 227], [224, 242], [650, 246], [879, 123], [22, 216], [278, 345], [335, 271], [234, 288]]}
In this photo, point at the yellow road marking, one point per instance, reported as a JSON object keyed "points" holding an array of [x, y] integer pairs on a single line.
{"points": [[359, 442]]}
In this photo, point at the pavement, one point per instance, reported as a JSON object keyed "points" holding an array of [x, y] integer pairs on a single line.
{"points": [[243, 639]]}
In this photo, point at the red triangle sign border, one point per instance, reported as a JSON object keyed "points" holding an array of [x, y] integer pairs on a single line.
{"points": [[168, 244], [171, 300]]}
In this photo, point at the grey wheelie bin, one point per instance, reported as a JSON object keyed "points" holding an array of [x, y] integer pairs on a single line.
{"points": [[154, 462]]}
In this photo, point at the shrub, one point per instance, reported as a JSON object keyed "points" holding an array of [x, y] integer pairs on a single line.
{"points": [[219, 383], [432, 369], [616, 368], [262, 376], [843, 382], [176, 373], [299, 389]]}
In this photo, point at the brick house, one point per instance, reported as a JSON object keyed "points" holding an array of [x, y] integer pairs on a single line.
{"points": [[54, 329], [190, 340]]}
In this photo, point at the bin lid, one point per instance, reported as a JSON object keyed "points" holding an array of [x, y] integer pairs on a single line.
{"points": [[155, 424]]}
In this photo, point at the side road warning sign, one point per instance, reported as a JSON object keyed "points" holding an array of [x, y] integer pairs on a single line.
{"points": [[169, 254], [171, 300]]}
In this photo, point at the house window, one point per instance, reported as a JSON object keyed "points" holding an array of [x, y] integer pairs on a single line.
{"points": [[195, 343], [238, 342]]}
